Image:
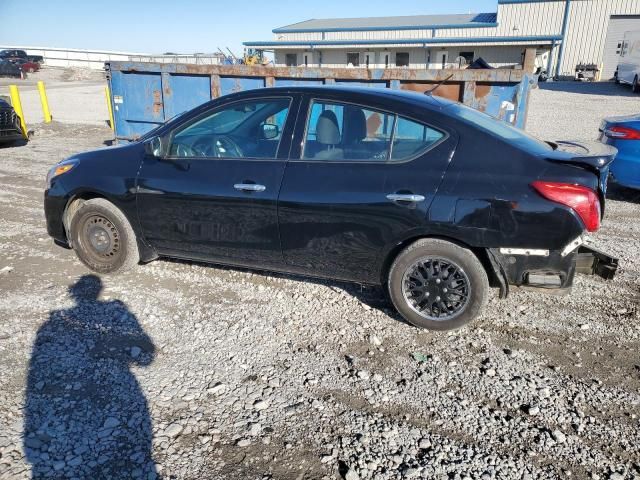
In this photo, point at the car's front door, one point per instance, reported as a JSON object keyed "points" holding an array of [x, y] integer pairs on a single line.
{"points": [[362, 178], [213, 195]]}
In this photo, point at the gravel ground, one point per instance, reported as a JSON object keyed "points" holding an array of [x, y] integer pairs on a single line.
{"points": [[183, 370]]}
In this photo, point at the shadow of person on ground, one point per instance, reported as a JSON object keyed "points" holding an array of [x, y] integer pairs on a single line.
{"points": [[85, 413]]}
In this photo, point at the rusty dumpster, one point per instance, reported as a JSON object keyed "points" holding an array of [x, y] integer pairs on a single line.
{"points": [[144, 95]]}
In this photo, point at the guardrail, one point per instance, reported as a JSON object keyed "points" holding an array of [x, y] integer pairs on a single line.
{"points": [[95, 59], [71, 57], [195, 59]]}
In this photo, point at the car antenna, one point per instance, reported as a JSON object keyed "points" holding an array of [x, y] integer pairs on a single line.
{"points": [[438, 85]]}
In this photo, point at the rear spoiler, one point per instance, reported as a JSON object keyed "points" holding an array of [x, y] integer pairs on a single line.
{"points": [[594, 155]]}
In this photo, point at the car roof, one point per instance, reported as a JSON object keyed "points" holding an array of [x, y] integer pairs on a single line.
{"points": [[404, 96]]}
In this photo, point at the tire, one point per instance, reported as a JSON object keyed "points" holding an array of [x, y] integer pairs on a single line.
{"points": [[433, 256], [102, 237], [635, 86]]}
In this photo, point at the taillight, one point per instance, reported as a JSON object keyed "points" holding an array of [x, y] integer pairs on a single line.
{"points": [[622, 133], [582, 200]]}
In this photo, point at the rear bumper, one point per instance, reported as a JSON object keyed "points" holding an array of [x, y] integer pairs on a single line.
{"points": [[591, 261], [552, 270]]}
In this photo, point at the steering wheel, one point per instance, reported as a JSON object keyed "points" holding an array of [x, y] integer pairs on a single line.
{"points": [[220, 147], [182, 150], [224, 146]]}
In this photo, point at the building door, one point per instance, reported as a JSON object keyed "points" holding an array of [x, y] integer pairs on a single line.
{"points": [[441, 59], [618, 25]]}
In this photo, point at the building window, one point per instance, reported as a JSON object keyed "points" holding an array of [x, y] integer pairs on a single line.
{"points": [[468, 58], [353, 59], [291, 59], [402, 59]]}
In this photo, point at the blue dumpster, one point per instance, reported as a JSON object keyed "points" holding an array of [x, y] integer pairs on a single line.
{"points": [[145, 95]]}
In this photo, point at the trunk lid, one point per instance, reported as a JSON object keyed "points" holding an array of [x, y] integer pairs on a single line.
{"points": [[593, 156]]}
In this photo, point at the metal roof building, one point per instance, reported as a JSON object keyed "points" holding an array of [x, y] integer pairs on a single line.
{"points": [[564, 33]]}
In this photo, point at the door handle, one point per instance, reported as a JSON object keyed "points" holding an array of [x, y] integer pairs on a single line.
{"points": [[249, 187], [405, 197]]}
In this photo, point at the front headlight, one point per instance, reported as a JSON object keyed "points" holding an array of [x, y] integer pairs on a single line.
{"points": [[61, 168]]}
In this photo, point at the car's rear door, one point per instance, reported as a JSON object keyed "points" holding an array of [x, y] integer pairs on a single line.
{"points": [[214, 195], [345, 195]]}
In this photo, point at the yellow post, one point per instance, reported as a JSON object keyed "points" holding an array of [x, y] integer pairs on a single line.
{"points": [[45, 103], [17, 106], [107, 94]]}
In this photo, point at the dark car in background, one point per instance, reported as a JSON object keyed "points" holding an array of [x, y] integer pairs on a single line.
{"points": [[10, 130], [20, 55], [430, 198], [27, 66], [10, 69]]}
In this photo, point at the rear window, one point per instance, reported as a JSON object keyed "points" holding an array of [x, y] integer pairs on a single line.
{"points": [[501, 129]]}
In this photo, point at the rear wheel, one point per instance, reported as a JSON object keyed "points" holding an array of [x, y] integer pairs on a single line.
{"points": [[438, 285], [103, 238]]}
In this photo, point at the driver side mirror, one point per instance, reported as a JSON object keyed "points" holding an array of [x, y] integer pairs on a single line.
{"points": [[270, 131], [154, 147]]}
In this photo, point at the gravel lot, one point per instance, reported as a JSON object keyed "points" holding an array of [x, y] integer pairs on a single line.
{"points": [[183, 370]]}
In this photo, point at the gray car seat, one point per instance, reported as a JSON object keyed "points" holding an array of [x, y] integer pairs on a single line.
{"points": [[328, 136]]}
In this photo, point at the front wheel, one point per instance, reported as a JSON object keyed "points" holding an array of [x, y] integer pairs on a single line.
{"points": [[103, 238], [438, 285]]}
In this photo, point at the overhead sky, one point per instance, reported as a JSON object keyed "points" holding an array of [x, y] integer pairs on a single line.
{"points": [[187, 26]]}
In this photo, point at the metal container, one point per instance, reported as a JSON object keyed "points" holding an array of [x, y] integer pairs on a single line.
{"points": [[144, 95]]}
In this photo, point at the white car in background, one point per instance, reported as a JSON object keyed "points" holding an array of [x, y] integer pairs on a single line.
{"points": [[629, 63]]}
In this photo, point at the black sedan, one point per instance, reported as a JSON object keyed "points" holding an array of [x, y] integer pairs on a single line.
{"points": [[9, 69], [432, 199]]}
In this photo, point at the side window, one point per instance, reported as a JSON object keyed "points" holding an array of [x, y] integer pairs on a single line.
{"points": [[338, 131], [246, 129], [411, 138]]}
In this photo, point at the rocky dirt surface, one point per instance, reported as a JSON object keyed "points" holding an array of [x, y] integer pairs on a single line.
{"points": [[184, 370]]}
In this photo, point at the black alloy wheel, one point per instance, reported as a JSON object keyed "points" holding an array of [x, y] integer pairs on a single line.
{"points": [[437, 289]]}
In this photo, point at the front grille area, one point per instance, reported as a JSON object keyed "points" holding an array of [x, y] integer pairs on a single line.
{"points": [[7, 118]]}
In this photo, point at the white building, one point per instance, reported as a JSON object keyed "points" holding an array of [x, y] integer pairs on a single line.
{"points": [[563, 32]]}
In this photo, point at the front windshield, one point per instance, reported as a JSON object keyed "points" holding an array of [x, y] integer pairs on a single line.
{"points": [[500, 129]]}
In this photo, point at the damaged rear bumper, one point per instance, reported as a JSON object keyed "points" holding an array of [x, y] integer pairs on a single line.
{"points": [[549, 269], [591, 261]]}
